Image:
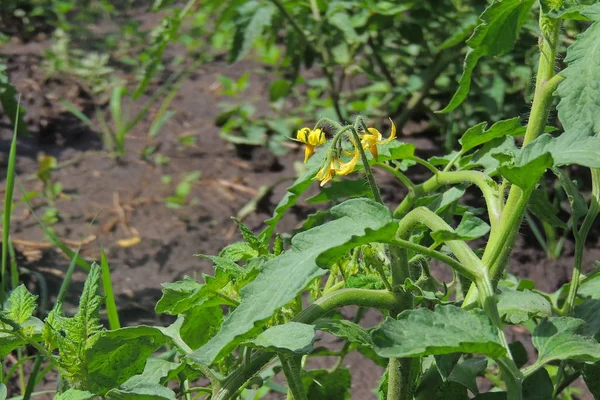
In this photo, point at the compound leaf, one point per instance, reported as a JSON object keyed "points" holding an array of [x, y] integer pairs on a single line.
{"points": [[494, 36], [358, 221], [448, 329]]}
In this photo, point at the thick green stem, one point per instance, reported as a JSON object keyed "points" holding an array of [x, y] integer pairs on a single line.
{"points": [[400, 369], [502, 238], [380, 299], [292, 371]]}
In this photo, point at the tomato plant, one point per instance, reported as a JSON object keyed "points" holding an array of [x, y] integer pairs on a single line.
{"points": [[250, 321]]}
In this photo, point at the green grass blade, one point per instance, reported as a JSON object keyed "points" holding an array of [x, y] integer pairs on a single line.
{"points": [[67, 279], [8, 199], [55, 240], [111, 305], [32, 377], [73, 110]]}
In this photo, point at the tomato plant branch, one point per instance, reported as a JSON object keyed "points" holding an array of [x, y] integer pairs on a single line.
{"points": [[380, 299], [503, 236], [487, 185]]}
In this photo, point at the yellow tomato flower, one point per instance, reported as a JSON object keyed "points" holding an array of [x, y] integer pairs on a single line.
{"points": [[373, 137], [312, 139], [327, 172], [348, 168]]}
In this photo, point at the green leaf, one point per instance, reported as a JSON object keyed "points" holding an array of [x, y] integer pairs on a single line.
{"points": [[358, 221], [178, 297], [590, 287], [486, 156], [73, 336], [291, 338], [591, 376], [119, 354], [572, 9], [494, 36], [467, 371], [569, 148], [344, 329], [20, 305], [32, 329], [340, 190], [75, 394], [448, 329], [542, 208], [564, 338], [149, 384], [517, 307], [527, 175], [246, 35], [142, 391], [579, 108], [278, 89], [320, 384], [470, 228], [538, 386], [239, 251], [477, 135], [589, 311], [365, 282], [200, 324], [249, 236], [227, 266], [578, 205]]}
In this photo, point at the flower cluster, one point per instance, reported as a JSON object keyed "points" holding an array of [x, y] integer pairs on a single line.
{"points": [[334, 164]]}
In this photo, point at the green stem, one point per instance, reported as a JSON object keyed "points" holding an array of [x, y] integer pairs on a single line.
{"points": [[400, 369], [292, 371], [502, 238], [368, 171], [488, 188], [401, 177], [379, 299]]}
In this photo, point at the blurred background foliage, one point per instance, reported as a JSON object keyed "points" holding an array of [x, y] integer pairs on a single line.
{"points": [[334, 59]]}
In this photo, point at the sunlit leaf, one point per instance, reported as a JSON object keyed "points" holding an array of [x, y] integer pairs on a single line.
{"points": [[292, 337]]}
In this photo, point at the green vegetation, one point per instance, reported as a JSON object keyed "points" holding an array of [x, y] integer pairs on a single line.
{"points": [[258, 316]]}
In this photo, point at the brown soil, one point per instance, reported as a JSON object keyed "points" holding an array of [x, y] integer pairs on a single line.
{"points": [[107, 201]]}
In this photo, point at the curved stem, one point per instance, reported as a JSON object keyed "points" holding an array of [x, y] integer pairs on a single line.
{"points": [[487, 185], [469, 262], [367, 168], [380, 299], [401, 177], [503, 236]]}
